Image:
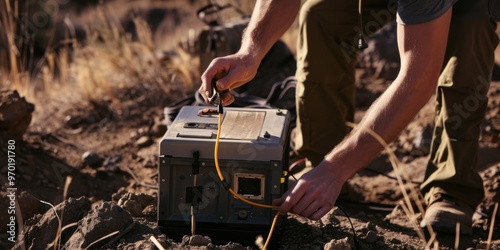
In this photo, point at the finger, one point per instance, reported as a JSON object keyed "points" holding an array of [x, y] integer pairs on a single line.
{"points": [[204, 94], [320, 212], [310, 209], [279, 201], [232, 79], [205, 89], [306, 202], [227, 98], [215, 70], [292, 199], [225, 83]]}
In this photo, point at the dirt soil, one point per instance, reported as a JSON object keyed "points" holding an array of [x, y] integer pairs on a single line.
{"points": [[111, 155]]}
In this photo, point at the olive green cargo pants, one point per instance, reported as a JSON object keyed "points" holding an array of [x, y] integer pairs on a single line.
{"points": [[326, 57]]}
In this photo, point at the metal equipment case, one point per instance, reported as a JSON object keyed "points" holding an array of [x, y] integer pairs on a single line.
{"points": [[253, 152]]}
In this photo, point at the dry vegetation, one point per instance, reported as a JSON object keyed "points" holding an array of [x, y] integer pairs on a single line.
{"points": [[109, 59]]}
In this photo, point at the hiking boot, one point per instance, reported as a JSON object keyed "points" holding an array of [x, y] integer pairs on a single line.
{"points": [[444, 212]]}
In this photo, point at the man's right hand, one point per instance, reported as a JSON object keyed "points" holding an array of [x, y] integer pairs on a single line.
{"points": [[270, 19], [228, 72]]}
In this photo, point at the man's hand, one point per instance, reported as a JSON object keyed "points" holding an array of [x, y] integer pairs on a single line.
{"points": [[228, 72], [270, 19], [314, 195]]}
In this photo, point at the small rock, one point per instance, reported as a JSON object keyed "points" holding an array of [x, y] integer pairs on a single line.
{"points": [[370, 225], [185, 240], [92, 159], [159, 129], [149, 211], [371, 237], [15, 114], [198, 240], [119, 194], [133, 207], [144, 141], [72, 121], [136, 203], [339, 244]]}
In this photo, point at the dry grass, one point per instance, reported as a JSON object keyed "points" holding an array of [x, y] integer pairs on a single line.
{"points": [[411, 198], [13, 76], [108, 61]]}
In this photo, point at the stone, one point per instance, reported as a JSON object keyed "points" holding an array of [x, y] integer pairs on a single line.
{"points": [[92, 159], [143, 141], [371, 237], [159, 129], [199, 240], [136, 203], [15, 114], [339, 244]]}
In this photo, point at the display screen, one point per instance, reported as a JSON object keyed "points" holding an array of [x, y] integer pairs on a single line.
{"points": [[249, 186]]}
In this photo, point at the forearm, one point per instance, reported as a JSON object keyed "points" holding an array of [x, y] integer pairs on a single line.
{"points": [[269, 21], [387, 117]]}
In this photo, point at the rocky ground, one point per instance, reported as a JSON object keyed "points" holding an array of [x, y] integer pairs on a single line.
{"points": [[95, 164]]}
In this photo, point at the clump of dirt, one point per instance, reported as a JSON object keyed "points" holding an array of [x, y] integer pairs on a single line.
{"points": [[105, 219], [15, 114]]}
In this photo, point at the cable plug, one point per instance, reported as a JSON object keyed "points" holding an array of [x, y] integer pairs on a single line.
{"points": [[220, 109], [216, 98]]}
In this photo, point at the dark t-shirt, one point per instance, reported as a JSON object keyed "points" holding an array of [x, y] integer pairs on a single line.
{"points": [[421, 11]]}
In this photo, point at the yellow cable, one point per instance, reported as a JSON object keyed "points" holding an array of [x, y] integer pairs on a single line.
{"points": [[271, 231], [217, 167]]}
